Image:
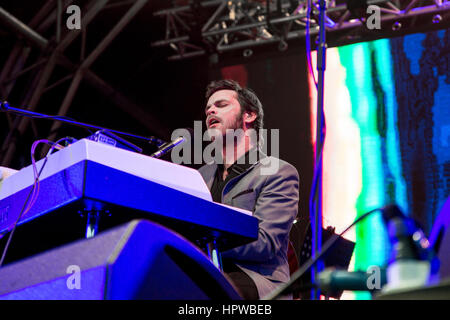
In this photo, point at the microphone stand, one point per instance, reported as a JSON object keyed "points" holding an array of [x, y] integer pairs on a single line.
{"points": [[316, 216], [93, 214], [5, 107]]}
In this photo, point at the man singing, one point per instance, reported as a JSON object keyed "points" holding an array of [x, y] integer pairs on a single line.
{"points": [[241, 178]]}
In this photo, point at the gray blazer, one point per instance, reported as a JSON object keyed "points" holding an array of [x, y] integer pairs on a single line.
{"points": [[269, 188]]}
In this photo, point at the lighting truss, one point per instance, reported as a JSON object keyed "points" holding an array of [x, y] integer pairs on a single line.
{"points": [[52, 55], [243, 24]]}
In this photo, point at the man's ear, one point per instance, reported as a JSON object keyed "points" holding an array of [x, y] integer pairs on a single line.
{"points": [[249, 117]]}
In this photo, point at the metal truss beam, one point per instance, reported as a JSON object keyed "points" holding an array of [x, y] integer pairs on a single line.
{"points": [[42, 77], [86, 64], [44, 68], [242, 24], [19, 28]]}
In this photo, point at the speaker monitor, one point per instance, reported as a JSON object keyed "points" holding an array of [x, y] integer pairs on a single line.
{"points": [[138, 260]]}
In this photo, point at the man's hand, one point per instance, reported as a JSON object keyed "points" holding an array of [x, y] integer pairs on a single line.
{"points": [[6, 172]]}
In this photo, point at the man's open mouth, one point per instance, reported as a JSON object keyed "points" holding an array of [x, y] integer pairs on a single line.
{"points": [[212, 122]]}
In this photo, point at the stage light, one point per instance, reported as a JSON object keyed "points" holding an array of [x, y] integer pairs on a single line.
{"points": [[396, 26], [437, 18]]}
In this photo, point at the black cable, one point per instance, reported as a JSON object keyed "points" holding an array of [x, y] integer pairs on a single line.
{"points": [[20, 214], [5, 249], [308, 264], [308, 41], [312, 200], [317, 169]]}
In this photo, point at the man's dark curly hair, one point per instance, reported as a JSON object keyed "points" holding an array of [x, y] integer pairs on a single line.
{"points": [[247, 99]]}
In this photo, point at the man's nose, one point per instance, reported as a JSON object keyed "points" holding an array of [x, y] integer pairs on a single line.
{"points": [[211, 110]]}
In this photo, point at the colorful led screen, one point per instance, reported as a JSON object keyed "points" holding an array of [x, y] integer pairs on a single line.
{"points": [[387, 114]]}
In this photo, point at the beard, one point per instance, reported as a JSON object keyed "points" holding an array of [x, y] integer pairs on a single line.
{"points": [[230, 133], [238, 122]]}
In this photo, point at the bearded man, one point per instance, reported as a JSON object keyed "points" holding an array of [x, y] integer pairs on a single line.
{"points": [[242, 177]]}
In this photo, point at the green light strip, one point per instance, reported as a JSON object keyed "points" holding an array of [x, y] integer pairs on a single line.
{"points": [[370, 246]]}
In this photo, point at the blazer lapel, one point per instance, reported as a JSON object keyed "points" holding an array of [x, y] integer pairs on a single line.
{"points": [[209, 174], [256, 155]]}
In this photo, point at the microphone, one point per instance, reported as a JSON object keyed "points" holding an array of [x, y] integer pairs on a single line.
{"points": [[409, 264], [167, 147], [407, 239], [411, 260], [332, 281]]}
